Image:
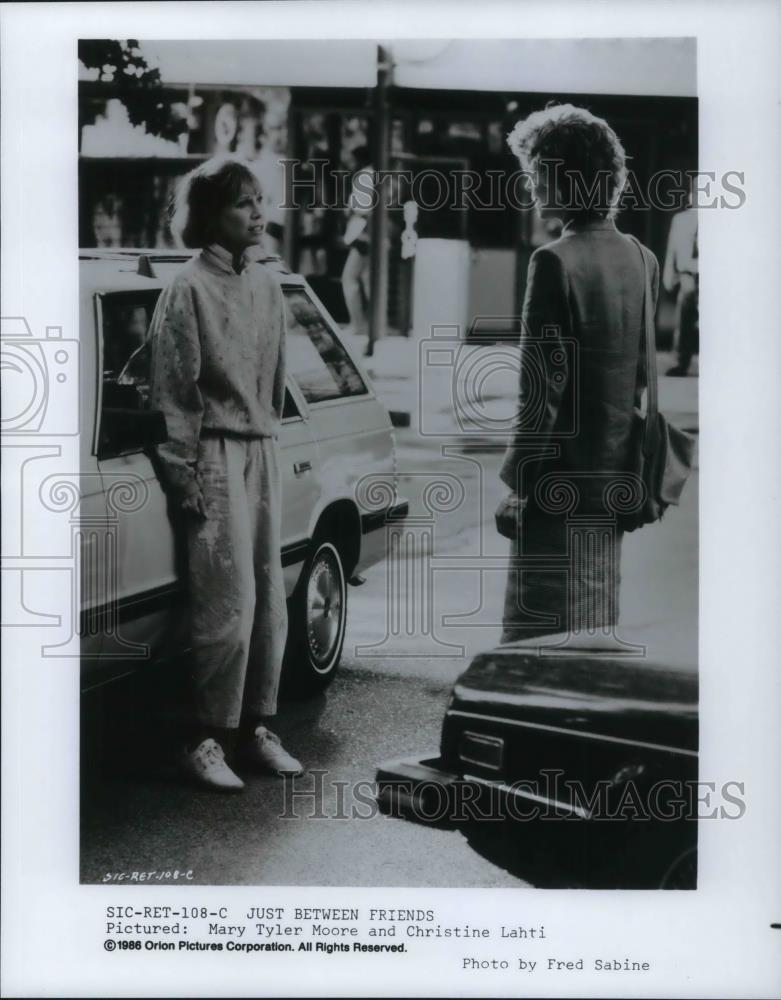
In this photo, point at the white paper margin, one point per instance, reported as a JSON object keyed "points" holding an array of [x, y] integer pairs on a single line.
{"points": [[716, 941]]}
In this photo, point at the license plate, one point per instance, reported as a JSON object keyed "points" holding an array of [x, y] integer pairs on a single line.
{"points": [[477, 748]]}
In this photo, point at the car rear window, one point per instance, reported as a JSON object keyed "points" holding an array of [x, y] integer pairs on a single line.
{"points": [[317, 361]]}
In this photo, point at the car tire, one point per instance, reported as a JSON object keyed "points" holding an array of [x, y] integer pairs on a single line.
{"points": [[317, 613]]}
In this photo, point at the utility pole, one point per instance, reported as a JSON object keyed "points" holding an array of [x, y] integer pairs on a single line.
{"points": [[381, 162]]}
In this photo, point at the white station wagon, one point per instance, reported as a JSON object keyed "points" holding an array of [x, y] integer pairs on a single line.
{"points": [[338, 463]]}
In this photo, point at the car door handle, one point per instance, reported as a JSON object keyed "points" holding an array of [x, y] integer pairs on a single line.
{"points": [[299, 467]]}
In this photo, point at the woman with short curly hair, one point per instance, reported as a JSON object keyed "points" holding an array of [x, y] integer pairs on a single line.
{"points": [[582, 375], [577, 155], [218, 375]]}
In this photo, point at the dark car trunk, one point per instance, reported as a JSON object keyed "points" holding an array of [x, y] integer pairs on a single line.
{"points": [[642, 699]]}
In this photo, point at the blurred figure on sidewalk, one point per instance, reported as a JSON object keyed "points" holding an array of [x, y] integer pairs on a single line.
{"points": [[358, 238], [269, 168], [681, 277]]}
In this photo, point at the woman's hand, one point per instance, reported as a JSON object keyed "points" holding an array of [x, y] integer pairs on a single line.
{"points": [[194, 503], [688, 284], [509, 514]]}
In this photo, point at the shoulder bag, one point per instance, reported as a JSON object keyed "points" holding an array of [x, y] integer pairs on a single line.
{"points": [[660, 453]]}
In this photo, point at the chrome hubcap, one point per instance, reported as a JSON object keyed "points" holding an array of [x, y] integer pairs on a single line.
{"points": [[324, 609]]}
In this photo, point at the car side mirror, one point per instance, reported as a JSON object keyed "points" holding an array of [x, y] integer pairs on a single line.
{"points": [[125, 431]]}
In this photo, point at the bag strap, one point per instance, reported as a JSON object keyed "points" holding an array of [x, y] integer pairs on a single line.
{"points": [[652, 408]]}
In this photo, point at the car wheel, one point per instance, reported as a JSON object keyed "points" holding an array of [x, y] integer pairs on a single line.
{"points": [[317, 620], [682, 873]]}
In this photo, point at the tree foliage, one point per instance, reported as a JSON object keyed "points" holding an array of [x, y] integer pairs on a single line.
{"points": [[125, 74]]}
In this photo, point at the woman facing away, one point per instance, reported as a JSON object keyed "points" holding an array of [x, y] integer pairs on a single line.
{"points": [[218, 374], [582, 375]]}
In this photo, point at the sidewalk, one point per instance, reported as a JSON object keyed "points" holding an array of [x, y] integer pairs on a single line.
{"points": [[483, 381], [450, 442]]}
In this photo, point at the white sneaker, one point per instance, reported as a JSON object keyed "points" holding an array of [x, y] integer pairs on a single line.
{"points": [[206, 764], [266, 751]]}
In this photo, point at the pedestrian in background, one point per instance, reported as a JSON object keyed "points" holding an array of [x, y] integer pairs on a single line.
{"points": [[218, 374], [581, 378], [681, 277], [358, 238], [269, 168]]}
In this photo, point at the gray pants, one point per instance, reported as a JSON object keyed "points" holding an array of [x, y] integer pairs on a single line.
{"points": [[237, 590]]}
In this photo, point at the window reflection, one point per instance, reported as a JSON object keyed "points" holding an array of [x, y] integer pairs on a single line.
{"points": [[126, 355], [315, 358]]}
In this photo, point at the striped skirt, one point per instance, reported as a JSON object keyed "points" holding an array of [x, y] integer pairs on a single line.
{"points": [[564, 576]]}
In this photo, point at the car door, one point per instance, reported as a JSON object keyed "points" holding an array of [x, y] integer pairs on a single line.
{"points": [[141, 562], [141, 613], [92, 514], [301, 487], [350, 426]]}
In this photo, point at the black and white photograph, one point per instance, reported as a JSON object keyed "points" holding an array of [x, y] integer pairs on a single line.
{"points": [[353, 501], [394, 410]]}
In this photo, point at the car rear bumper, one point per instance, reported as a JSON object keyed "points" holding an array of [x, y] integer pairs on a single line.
{"points": [[415, 788], [627, 855], [420, 788]]}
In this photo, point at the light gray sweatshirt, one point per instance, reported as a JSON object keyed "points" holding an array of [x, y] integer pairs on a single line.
{"points": [[218, 358]]}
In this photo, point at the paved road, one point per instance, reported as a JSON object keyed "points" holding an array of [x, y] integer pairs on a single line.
{"points": [[132, 819]]}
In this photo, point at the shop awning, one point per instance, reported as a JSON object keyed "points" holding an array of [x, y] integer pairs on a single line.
{"points": [[664, 67], [301, 63]]}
